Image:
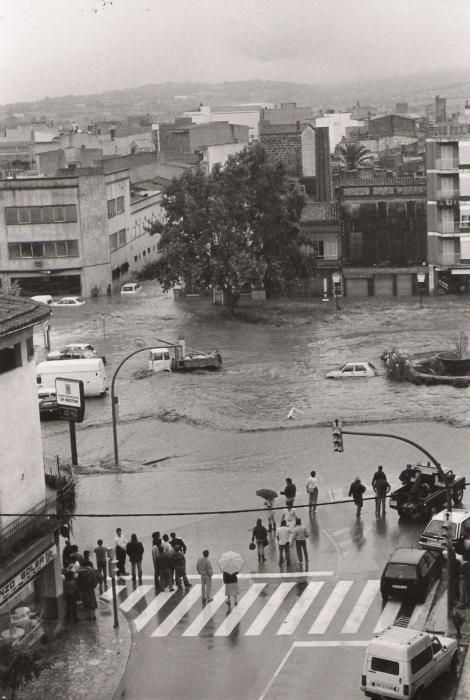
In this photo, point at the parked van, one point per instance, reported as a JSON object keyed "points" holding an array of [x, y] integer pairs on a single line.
{"points": [[401, 662], [90, 371], [160, 360]]}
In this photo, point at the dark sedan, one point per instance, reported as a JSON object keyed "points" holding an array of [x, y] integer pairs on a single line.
{"points": [[409, 574], [48, 409]]}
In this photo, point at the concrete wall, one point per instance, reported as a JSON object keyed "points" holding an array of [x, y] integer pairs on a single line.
{"points": [[213, 155], [283, 143], [96, 258], [308, 152], [22, 484], [337, 124], [391, 125]]}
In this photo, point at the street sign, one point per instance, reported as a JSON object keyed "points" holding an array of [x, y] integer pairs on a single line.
{"points": [[70, 399]]}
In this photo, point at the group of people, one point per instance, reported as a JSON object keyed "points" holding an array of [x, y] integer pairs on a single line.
{"points": [[381, 488], [80, 578], [169, 562]]}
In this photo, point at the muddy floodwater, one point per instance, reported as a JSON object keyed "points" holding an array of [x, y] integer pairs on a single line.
{"points": [[219, 430]]}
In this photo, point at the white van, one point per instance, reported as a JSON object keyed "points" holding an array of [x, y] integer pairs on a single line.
{"points": [[160, 360], [90, 371], [401, 662]]}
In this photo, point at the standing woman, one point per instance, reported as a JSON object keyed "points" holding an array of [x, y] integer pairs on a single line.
{"points": [[231, 587], [260, 536]]}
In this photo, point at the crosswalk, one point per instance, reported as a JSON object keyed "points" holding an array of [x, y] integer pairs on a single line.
{"points": [[283, 605]]}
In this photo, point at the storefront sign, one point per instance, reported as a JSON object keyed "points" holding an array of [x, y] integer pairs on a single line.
{"points": [[70, 399], [15, 584]]}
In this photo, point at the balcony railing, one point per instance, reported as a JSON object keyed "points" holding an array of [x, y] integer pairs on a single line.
{"points": [[447, 163], [47, 516], [447, 194]]}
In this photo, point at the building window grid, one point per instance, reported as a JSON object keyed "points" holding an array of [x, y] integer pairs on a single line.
{"points": [[118, 239], [115, 206], [43, 249], [54, 214]]}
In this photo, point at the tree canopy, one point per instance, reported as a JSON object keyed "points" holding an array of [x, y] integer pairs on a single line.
{"points": [[237, 226], [353, 155]]}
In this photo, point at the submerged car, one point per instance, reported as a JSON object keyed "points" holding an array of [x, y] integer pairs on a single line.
{"points": [[69, 301], [353, 370], [74, 351], [131, 288], [409, 574]]}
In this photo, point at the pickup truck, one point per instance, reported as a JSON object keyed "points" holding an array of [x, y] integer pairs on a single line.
{"points": [[424, 494]]}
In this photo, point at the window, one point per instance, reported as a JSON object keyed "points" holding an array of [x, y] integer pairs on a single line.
{"points": [[10, 358], [148, 250], [11, 215], [61, 249], [36, 215], [43, 249], [49, 249], [330, 250], [135, 258], [26, 250], [46, 215], [144, 253], [421, 659], [385, 666], [14, 251], [119, 205], [113, 241], [38, 250], [111, 208], [58, 214], [72, 248], [318, 248], [29, 348], [24, 215], [66, 213], [122, 237]]}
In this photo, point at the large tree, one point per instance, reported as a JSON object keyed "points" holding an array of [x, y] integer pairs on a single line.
{"points": [[237, 226], [353, 155]]}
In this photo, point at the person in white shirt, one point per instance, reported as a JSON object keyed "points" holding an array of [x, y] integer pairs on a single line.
{"points": [[299, 536], [312, 490], [284, 538], [290, 516], [120, 544]]}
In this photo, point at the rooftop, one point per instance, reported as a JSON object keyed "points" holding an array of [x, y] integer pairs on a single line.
{"points": [[16, 314], [320, 211], [380, 181]]}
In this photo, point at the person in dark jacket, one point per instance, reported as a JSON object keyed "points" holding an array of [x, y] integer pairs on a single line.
{"points": [[289, 492], [86, 561], [164, 569], [260, 536], [177, 540], [67, 551], [178, 563], [135, 552], [379, 474], [86, 582], [381, 488], [70, 596], [356, 492], [231, 587]]}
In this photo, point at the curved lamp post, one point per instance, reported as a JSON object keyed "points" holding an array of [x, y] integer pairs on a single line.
{"points": [[114, 399]]}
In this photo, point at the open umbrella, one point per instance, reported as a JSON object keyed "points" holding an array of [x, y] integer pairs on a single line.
{"points": [[231, 562], [267, 494]]}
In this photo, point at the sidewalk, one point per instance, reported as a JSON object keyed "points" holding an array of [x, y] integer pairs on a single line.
{"points": [[89, 659], [438, 621]]}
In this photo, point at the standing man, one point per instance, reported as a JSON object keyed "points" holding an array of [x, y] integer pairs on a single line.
{"points": [[101, 554], [135, 552], [312, 490], [356, 491], [379, 474], [283, 538], [381, 488], [300, 538], [205, 571], [120, 544], [177, 540], [289, 492]]}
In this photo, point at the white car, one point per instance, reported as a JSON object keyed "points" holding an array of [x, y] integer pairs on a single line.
{"points": [[353, 370], [43, 299], [75, 351], [131, 288], [69, 301]]}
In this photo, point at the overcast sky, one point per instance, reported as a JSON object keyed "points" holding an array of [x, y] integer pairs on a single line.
{"points": [[60, 47]]}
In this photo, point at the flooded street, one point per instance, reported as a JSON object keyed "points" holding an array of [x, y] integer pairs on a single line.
{"points": [[208, 440]]}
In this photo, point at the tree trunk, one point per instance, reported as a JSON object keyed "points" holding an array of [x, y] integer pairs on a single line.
{"points": [[232, 299]]}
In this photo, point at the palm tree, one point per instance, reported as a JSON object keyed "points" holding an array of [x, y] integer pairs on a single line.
{"points": [[353, 155]]}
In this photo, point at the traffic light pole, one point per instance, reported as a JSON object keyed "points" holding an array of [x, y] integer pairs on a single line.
{"points": [[450, 552]]}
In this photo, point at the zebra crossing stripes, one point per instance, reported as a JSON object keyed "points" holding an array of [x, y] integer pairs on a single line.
{"points": [[269, 609], [328, 612], [205, 615], [388, 615], [301, 606], [178, 613], [229, 624], [151, 610], [134, 598], [355, 619], [108, 595]]}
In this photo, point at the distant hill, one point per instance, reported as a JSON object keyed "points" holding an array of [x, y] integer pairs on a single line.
{"points": [[168, 99]]}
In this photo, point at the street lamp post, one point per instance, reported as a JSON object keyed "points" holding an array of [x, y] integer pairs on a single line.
{"points": [[443, 476]]}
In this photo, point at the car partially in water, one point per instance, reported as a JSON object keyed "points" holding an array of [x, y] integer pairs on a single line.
{"points": [[353, 370], [131, 288], [69, 302], [48, 409]]}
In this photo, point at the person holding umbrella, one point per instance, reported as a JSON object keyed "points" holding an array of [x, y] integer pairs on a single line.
{"points": [[269, 497], [230, 564], [260, 535]]}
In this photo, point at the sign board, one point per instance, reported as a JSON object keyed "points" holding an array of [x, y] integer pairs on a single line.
{"points": [[421, 277], [70, 399], [336, 277], [20, 580]]}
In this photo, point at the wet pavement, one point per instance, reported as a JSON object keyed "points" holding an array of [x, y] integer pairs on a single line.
{"points": [[87, 660]]}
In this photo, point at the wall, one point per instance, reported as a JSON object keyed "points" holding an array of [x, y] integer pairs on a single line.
{"points": [[95, 229], [22, 484], [308, 152], [391, 125], [283, 143], [213, 155], [143, 212], [337, 124]]}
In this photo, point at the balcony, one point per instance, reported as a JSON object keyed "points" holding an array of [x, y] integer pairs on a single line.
{"points": [[46, 517], [447, 259], [448, 227], [447, 164]]}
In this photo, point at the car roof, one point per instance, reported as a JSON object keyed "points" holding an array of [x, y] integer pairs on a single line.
{"points": [[406, 555], [456, 516]]}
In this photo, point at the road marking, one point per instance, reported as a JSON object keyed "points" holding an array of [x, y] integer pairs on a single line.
{"points": [[205, 615], [152, 608], [331, 607], [108, 595], [269, 609], [238, 611], [178, 613], [361, 608], [388, 615], [275, 674], [134, 597], [289, 625]]}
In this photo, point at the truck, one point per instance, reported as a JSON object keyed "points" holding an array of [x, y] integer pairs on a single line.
{"points": [[179, 358], [424, 493]]}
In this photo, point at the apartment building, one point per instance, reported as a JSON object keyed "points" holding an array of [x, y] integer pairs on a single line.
{"points": [[448, 213], [37, 494]]}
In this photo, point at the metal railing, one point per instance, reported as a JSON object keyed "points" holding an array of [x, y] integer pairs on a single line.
{"points": [[46, 516]]}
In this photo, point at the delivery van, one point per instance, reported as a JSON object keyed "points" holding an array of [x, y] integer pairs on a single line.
{"points": [[401, 662], [90, 371]]}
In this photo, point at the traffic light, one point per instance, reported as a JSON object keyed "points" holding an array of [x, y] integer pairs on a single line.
{"points": [[337, 436]]}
